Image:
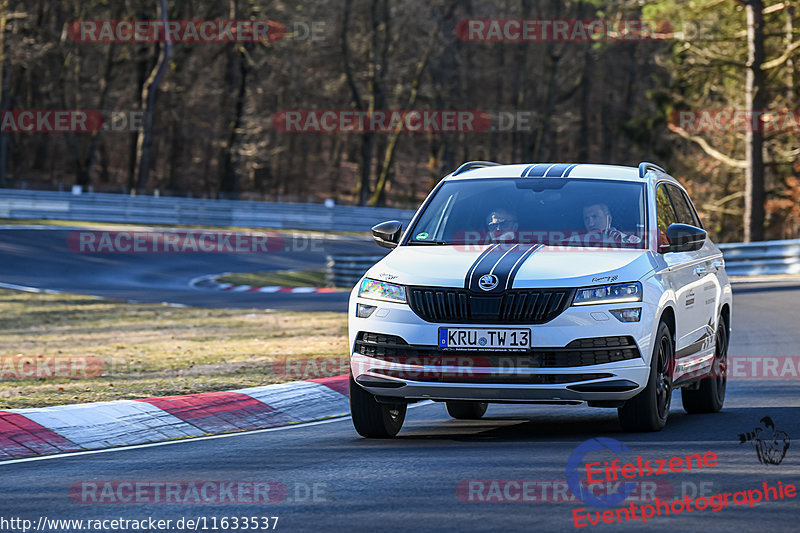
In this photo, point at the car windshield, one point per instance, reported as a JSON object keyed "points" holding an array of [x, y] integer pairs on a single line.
{"points": [[568, 212]]}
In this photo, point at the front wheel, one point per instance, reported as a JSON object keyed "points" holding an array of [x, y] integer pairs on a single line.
{"points": [[648, 410], [466, 410], [710, 395], [373, 419]]}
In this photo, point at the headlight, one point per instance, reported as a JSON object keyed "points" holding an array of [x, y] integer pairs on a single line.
{"points": [[609, 294], [380, 290]]}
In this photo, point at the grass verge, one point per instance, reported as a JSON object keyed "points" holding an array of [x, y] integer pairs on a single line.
{"points": [[154, 349], [282, 278]]}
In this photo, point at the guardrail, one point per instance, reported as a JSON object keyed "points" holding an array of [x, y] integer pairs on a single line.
{"points": [[346, 270], [741, 259], [762, 258], [125, 209]]}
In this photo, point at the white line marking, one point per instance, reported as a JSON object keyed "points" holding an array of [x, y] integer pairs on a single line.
{"points": [[241, 288], [271, 288]]}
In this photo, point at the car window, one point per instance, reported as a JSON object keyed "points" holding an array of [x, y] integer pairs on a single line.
{"points": [[685, 213], [683, 207], [571, 212], [664, 211], [432, 227]]}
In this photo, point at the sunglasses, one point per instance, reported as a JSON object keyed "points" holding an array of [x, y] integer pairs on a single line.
{"points": [[500, 224]]}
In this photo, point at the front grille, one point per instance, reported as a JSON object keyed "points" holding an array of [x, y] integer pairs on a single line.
{"points": [[580, 352], [518, 306]]}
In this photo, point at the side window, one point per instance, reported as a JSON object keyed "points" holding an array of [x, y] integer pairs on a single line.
{"points": [[664, 211], [432, 228], [682, 207]]}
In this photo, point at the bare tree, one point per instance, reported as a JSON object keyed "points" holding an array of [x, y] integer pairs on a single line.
{"points": [[145, 138]]}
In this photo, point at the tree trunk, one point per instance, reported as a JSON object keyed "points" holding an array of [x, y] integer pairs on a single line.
{"points": [[754, 136], [367, 138], [379, 197], [3, 93], [790, 63], [145, 138], [238, 59]]}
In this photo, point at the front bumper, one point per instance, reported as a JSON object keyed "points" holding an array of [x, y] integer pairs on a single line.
{"points": [[555, 370]]}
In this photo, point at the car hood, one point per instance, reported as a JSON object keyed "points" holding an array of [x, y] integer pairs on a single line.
{"points": [[450, 266]]}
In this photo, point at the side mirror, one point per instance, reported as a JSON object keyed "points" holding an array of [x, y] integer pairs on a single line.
{"points": [[387, 234], [683, 238]]}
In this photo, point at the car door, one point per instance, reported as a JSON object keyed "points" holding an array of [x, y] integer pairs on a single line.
{"points": [[709, 290], [682, 279]]}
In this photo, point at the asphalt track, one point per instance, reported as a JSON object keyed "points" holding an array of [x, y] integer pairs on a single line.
{"points": [[41, 258], [410, 483]]}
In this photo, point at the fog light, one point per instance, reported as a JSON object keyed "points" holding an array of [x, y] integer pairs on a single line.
{"points": [[365, 311], [627, 315]]}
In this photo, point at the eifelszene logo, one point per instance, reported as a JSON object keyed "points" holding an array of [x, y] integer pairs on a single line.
{"points": [[770, 443]]}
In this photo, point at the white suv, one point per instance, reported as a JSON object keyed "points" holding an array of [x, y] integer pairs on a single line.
{"points": [[545, 283]]}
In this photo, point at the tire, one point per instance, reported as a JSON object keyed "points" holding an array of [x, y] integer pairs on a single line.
{"points": [[648, 410], [710, 395], [466, 410], [373, 419]]}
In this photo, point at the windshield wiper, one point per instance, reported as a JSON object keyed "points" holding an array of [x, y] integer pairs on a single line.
{"points": [[427, 242]]}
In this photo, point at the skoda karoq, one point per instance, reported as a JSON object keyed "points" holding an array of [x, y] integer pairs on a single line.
{"points": [[542, 283]]}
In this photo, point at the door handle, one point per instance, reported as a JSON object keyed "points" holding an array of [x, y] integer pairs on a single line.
{"points": [[701, 270]]}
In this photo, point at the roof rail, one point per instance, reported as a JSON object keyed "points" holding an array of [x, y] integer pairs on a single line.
{"points": [[645, 166], [474, 164]]}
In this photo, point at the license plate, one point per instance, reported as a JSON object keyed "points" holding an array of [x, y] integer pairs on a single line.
{"points": [[484, 339]]}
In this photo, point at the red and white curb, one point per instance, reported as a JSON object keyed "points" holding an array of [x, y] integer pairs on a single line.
{"points": [[93, 426], [210, 282]]}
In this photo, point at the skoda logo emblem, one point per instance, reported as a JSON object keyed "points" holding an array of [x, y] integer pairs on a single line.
{"points": [[488, 282]]}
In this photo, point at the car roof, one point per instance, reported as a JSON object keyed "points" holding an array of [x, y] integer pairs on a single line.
{"points": [[479, 169]]}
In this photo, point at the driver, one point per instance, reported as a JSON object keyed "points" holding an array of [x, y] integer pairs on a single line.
{"points": [[502, 225], [597, 217]]}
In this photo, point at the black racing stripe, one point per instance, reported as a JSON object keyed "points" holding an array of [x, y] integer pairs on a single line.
{"points": [[532, 249], [556, 170], [471, 271], [505, 257], [539, 170]]}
